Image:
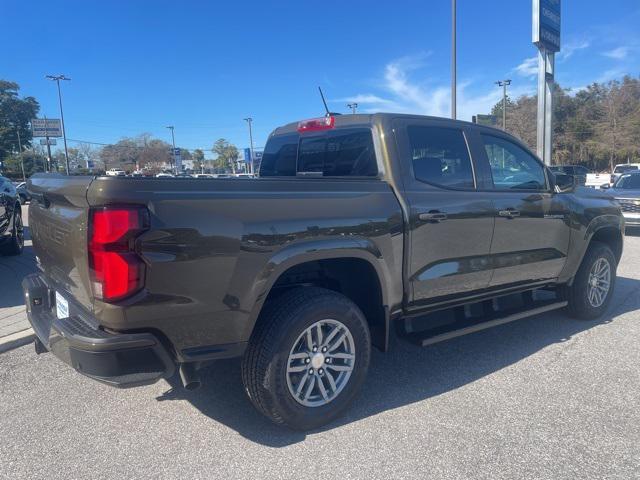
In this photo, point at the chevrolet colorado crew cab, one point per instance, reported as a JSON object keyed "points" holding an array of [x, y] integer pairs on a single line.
{"points": [[356, 225]]}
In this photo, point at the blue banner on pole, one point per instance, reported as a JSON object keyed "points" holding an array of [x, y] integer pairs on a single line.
{"points": [[547, 24]]}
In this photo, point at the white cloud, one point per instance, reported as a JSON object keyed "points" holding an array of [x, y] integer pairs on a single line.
{"points": [[572, 47], [407, 93], [619, 53], [528, 68]]}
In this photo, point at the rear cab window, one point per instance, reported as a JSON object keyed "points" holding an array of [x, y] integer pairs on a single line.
{"points": [[343, 152]]}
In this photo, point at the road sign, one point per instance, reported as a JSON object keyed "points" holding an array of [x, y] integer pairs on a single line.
{"points": [[488, 120], [48, 141], [46, 127], [246, 157], [547, 24]]}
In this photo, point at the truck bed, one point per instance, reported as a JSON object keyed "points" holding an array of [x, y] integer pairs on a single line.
{"points": [[212, 244]]}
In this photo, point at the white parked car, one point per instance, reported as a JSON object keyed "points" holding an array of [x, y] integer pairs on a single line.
{"points": [[204, 175], [164, 175], [623, 168], [598, 180], [116, 172]]}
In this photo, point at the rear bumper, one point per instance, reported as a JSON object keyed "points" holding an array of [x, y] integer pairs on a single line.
{"points": [[631, 219], [117, 359]]}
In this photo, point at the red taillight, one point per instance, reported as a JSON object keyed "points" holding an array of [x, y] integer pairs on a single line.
{"points": [[116, 270], [316, 124]]}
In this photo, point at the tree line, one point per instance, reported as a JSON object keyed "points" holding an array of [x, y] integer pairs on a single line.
{"points": [[143, 152], [598, 127]]}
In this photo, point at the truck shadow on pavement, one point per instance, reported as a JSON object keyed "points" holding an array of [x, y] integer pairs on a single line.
{"points": [[406, 374], [12, 270]]}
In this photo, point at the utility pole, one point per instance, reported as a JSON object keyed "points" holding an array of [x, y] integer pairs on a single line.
{"points": [[46, 128], [24, 178], [57, 78], [249, 120], [454, 67], [173, 152], [353, 106], [504, 84]]}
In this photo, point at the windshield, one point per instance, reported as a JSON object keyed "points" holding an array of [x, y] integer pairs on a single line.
{"points": [[628, 182]]}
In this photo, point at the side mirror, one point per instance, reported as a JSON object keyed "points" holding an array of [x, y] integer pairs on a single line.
{"points": [[605, 186], [564, 183]]}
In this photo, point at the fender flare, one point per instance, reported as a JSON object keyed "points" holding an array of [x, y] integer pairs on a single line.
{"points": [[314, 250], [596, 224]]}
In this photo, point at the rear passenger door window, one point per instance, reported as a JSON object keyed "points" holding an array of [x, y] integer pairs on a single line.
{"points": [[512, 167], [440, 156]]}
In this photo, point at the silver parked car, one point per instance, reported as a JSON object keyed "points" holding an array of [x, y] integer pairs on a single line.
{"points": [[626, 191]]}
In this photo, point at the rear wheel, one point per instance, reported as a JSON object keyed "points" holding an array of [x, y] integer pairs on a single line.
{"points": [[307, 358], [15, 245], [593, 285]]}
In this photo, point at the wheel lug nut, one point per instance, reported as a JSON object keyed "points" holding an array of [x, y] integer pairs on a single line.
{"points": [[307, 360], [321, 371], [327, 360], [311, 371], [324, 349], [315, 349]]}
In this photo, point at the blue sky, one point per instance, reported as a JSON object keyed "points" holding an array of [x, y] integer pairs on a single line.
{"points": [[137, 66]]}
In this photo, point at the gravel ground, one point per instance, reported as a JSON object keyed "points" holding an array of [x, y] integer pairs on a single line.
{"points": [[546, 397]]}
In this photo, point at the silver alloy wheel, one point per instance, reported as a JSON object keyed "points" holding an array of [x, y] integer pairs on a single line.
{"points": [[320, 363], [599, 282]]}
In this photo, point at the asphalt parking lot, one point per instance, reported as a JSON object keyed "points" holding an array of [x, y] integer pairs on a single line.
{"points": [[546, 397]]}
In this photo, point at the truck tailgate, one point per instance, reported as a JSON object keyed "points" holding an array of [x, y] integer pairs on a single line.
{"points": [[58, 217]]}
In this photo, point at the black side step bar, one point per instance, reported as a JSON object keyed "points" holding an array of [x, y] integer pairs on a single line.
{"points": [[429, 337]]}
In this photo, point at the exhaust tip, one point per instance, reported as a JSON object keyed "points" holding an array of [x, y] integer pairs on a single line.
{"points": [[190, 377], [191, 386]]}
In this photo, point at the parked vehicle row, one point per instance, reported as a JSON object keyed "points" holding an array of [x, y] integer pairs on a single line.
{"points": [[11, 229], [357, 224], [626, 191], [600, 180]]}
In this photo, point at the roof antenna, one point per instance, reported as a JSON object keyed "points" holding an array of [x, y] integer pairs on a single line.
{"points": [[325, 102]]}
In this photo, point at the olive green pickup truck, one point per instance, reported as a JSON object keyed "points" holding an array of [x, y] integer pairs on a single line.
{"points": [[356, 224]]}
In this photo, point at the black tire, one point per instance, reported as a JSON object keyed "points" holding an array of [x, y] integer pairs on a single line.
{"points": [[578, 293], [15, 244], [264, 366]]}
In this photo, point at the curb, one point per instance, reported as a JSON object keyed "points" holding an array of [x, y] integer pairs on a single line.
{"points": [[16, 340]]}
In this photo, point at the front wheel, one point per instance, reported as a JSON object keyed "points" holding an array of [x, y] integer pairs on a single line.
{"points": [[307, 358], [593, 285]]}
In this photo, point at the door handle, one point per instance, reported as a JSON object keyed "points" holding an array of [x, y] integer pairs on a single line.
{"points": [[509, 213], [433, 216]]}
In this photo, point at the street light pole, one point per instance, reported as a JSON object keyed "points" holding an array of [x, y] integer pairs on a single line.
{"points": [[504, 84], [173, 152], [249, 120], [353, 106], [57, 79], [24, 178], [454, 67]]}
